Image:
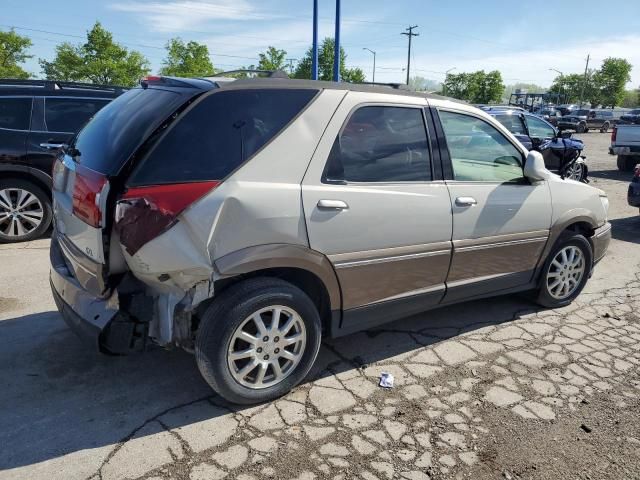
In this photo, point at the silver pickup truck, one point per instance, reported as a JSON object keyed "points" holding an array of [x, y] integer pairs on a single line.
{"points": [[625, 143]]}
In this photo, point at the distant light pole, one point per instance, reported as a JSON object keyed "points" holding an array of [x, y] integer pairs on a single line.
{"points": [[314, 52], [444, 85], [561, 82], [336, 51], [374, 63]]}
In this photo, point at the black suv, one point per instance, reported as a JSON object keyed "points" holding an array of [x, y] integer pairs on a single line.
{"points": [[37, 117]]}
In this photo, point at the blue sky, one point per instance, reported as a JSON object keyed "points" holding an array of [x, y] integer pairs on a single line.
{"points": [[521, 39]]}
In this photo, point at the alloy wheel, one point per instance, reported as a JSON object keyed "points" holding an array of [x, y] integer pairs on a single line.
{"points": [[267, 347], [565, 272], [575, 172], [20, 212]]}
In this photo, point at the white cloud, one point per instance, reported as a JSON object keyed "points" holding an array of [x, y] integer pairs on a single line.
{"points": [[177, 15]]}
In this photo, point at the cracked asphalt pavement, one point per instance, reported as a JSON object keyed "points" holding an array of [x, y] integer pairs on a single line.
{"points": [[497, 388]]}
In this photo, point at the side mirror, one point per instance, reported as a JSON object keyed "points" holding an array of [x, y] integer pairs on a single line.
{"points": [[534, 167]]}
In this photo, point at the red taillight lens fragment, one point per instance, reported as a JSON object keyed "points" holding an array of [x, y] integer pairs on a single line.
{"points": [[636, 171], [614, 133], [143, 213], [86, 195]]}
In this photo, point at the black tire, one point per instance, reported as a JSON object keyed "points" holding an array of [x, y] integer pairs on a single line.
{"points": [[627, 163], [568, 239], [44, 200], [582, 128], [228, 312], [605, 127]]}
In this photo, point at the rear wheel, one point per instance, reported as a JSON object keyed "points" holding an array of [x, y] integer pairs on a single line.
{"points": [[565, 271], [627, 163], [25, 211], [582, 128], [258, 340], [605, 127]]}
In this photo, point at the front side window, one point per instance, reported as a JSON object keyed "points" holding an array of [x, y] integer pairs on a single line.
{"points": [[15, 113], [478, 151], [539, 128], [219, 133], [513, 123], [70, 114], [381, 144]]}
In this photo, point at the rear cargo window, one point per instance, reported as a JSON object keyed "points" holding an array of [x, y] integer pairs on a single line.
{"points": [[115, 132], [219, 133]]}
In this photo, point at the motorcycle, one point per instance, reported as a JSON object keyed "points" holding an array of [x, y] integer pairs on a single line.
{"points": [[565, 153]]}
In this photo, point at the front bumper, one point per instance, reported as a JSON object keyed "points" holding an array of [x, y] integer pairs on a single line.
{"points": [[600, 242], [85, 314], [633, 194]]}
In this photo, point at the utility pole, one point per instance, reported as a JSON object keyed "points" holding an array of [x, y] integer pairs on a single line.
{"points": [[290, 60], [374, 63], [314, 54], [584, 82], [336, 51], [409, 33]]}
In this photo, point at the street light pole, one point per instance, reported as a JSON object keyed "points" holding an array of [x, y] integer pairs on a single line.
{"points": [[561, 82], [314, 48], [444, 84], [336, 52], [374, 63]]}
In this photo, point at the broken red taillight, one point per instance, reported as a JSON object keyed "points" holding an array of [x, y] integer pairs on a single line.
{"points": [[86, 195], [143, 213], [614, 134]]}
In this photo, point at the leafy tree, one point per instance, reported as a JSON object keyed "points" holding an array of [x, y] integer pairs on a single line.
{"points": [[573, 85], [325, 64], [272, 59], [529, 87], [13, 52], [99, 60], [631, 99], [475, 87], [422, 84], [611, 79], [186, 59]]}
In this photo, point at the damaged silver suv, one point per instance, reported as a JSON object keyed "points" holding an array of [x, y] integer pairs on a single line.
{"points": [[246, 220]]}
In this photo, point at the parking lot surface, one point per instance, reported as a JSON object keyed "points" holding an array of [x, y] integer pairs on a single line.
{"points": [[497, 388]]}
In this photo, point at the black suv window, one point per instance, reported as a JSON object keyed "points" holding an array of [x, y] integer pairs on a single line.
{"points": [[70, 114], [15, 113], [381, 144], [219, 133], [513, 123]]}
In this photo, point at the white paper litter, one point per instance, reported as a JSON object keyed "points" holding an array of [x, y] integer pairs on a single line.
{"points": [[386, 380]]}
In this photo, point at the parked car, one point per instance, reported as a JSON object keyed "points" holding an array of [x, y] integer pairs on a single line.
{"points": [[625, 143], [36, 118], [561, 155], [581, 121], [550, 115], [633, 193], [246, 221], [631, 117]]}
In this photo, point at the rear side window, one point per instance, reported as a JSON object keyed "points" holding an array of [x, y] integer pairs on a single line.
{"points": [[513, 123], [219, 133], [70, 114], [381, 144], [15, 113]]}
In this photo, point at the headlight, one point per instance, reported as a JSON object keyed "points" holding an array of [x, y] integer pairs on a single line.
{"points": [[605, 205]]}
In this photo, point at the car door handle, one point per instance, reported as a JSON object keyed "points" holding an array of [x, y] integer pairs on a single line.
{"points": [[332, 205], [466, 201], [50, 146]]}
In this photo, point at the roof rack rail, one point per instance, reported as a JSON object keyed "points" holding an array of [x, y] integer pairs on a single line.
{"points": [[58, 85], [269, 73], [397, 86]]}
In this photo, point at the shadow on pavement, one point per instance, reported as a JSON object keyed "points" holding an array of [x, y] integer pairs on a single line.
{"points": [[59, 398], [626, 229]]}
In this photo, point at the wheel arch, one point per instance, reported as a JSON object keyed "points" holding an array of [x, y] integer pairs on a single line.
{"points": [[307, 269], [23, 172]]}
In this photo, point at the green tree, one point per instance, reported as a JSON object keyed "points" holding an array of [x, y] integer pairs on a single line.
{"points": [[475, 87], [98, 60], [272, 59], [422, 84], [13, 52], [631, 99], [325, 64], [186, 59], [572, 87], [611, 79], [529, 87]]}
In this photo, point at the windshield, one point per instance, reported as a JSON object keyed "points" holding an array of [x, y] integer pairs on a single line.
{"points": [[115, 132]]}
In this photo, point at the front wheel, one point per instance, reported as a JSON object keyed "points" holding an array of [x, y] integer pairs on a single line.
{"points": [[605, 127], [582, 128], [258, 340], [565, 271], [577, 171]]}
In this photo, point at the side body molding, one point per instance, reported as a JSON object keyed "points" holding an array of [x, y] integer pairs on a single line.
{"points": [[276, 255]]}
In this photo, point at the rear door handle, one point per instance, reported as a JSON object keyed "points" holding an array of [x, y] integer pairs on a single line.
{"points": [[466, 201], [50, 146], [332, 205]]}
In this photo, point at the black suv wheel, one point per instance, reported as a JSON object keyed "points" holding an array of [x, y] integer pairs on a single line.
{"points": [[258, 340], [25, 211]]}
